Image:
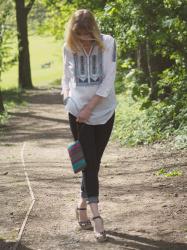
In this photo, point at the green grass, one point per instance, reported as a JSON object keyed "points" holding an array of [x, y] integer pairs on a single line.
{"points": [[43, 49], [171, 173], [131, 124], [12, 98], [136, 126]]}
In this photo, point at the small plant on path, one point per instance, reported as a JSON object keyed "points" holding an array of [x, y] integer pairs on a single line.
{"points": [[170, 173]]}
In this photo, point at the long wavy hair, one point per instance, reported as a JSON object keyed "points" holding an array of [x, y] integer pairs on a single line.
{"points": [[82, 22]]}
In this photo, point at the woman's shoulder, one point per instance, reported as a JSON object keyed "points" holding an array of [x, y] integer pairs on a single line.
{"points": [[108, 40], [107, 37], [65, 46], [66, 49]]}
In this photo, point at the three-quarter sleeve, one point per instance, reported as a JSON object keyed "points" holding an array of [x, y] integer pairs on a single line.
{"points": [[110, 70], [66, 72]]}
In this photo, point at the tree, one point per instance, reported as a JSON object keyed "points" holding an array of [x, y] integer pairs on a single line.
{"points": [[22, 11], [2, 109], [58, 13], [92, 5], [152, 65], [5, 14], [151, 36]]}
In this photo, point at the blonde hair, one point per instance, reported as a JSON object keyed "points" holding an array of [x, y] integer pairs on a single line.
{"points": [[82, 20]]}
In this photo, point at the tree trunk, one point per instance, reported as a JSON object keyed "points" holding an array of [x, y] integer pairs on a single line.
{"points": [[103, 3], [152, 77], [2, 109], [142, 59], [24, 71]]}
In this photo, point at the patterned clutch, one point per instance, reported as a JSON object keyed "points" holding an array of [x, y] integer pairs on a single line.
{"points": [[76, 156]]}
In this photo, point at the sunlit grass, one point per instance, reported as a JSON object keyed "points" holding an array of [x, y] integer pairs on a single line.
{"points": [[43, 50]]}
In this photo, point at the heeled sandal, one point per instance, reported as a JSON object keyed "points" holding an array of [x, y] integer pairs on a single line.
{"points": [[85, 225], [100, 237]]}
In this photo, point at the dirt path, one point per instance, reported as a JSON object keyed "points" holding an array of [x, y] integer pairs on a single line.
{"points": [[141, 210]]}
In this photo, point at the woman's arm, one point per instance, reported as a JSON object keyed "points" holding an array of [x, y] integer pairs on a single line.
{"points": [[110, 69], [66, 74]]}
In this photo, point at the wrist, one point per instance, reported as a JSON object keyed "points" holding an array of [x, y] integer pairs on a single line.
{"points": [[89, 108], [65, 100]]}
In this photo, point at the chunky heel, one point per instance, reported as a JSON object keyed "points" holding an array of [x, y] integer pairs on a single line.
{"points": [[100, 236], [84, 225]]}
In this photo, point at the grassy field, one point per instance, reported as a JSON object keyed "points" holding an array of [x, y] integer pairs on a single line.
{"points": [[43, 50]]}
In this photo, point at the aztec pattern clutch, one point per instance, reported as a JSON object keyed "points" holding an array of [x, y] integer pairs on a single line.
{"points": [[76, 156]]}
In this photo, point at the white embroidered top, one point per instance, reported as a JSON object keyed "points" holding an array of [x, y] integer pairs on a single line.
{"points": [[86, 75]]}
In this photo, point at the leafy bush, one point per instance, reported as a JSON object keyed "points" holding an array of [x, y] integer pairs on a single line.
{"points": [[136, 125], [12, 98], [131, 124], [152, 69]]}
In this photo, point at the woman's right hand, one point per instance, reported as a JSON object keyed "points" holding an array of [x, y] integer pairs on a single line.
{"points": [[65, 100], [84, 114], [65, 94]]}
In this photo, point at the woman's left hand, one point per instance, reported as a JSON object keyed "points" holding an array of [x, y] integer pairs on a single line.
{"points": [[84, 115]]}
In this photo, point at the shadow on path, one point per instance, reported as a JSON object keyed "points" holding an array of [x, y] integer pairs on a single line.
{"points": [[53, 134], [9, 245], [39, 122], [142, 243], [30, 115], [43, 96]]}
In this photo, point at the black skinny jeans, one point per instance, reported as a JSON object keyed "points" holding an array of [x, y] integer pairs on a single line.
{"points": [[93, 139]]}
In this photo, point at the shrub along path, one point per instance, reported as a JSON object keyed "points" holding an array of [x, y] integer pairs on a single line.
{"points": [[140, 209]]}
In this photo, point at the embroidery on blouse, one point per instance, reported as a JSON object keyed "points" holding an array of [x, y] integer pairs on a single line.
{"points": [[89, 73]]}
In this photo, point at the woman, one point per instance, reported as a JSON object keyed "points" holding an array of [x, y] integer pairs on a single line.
{"points": [[89, 98]]}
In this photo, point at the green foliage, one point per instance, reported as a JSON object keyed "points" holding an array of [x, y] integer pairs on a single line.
{"points": [[46, 16], [3, 118], [136, 84], [131, 124], [181, 140], [37, 17], [6, 34], [152, 68], [166, 173], [12, 98], [94, 5], [158, 121], [57, 13]]}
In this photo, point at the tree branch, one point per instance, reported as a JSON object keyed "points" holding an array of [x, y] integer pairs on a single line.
{"points": [[29, 6]]}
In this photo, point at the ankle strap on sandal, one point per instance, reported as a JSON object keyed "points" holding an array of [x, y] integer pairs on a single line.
{"points": [[96, 217], [81, 208]]}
